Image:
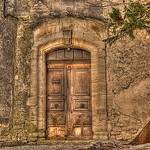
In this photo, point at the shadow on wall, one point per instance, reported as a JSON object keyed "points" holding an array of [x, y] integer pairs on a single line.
{"points": [[143, 137]]}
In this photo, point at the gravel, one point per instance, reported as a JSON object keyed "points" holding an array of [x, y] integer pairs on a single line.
{"points": [[43, 147], [75, 147]]}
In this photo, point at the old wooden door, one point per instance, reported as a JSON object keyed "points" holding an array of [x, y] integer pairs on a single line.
{"points": [[68, 97]]}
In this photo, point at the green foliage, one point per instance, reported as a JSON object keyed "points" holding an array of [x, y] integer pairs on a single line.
{"points": [[136, 15]]}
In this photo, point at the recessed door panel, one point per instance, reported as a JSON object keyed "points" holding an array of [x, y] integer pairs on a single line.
{"points": [[79, 105], [55, 105], [56, 119], [81, 86], [56, 133], [56, 81], [81, 118]]}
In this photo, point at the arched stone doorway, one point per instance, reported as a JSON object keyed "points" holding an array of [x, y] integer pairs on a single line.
{"points": [[47, 39], [68, 95]]}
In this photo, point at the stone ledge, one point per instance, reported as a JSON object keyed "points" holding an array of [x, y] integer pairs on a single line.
{"points": [[45, 142], [87, 143]]}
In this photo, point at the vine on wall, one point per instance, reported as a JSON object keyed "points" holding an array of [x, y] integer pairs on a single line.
{"points": [[136, 15]]}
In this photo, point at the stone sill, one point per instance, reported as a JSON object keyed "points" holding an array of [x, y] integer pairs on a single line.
{"points": [[57, 142]]}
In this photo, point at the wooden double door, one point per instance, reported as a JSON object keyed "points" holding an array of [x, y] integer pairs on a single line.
{"points": [[69, 100]]}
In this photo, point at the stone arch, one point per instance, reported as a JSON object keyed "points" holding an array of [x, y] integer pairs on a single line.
{"points": [[48, 37]]}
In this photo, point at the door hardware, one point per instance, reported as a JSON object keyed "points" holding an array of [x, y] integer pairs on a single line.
{"points": [[56, 81]]}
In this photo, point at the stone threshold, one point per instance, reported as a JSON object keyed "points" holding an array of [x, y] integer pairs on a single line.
{"points": [[57, 142]]}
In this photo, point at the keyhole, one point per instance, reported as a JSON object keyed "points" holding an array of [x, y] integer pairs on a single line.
{"points": [[56, 106], [82, 105]]}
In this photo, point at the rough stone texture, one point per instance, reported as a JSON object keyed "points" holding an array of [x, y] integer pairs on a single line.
{"points": [[1, 11], [22, 82], [7, 52], [129, 86], [74, 8], [120, 112], [10, 7], [97, 145]]}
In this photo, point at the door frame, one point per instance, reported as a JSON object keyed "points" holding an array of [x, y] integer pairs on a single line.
{"points": [[98, 87]]}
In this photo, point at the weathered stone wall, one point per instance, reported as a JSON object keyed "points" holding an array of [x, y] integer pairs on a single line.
{"points": [[28, 103], [1, 10], [7, 52], [127, 61], [128, 86], [22, 82], [75, 8]]}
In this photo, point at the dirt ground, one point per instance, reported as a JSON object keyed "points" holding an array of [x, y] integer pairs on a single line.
{"points": [[76, 147]]}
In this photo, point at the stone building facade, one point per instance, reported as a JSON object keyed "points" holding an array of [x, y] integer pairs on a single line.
{"points": [[30, 30]]}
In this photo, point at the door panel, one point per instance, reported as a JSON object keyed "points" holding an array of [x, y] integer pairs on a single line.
{"points": [[56, 119], [80, 102], [56, 98], [68, 101], [56, 133], [81, 86], [79, 105], [72, 54], [81, 119], [56, 81], [55, 105]]}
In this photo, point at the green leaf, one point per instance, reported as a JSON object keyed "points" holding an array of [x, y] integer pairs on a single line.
{"points": [[136, 16]]}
